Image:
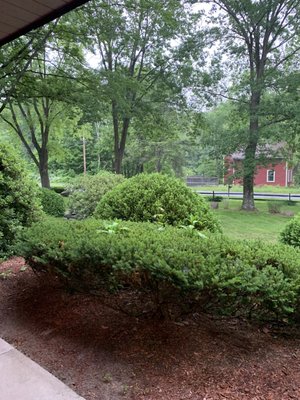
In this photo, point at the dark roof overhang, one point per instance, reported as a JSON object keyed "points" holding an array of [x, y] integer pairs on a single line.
{"points": [[18, 17]]}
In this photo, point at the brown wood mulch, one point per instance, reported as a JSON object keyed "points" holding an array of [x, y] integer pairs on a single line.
{"points": [[104, 354]]}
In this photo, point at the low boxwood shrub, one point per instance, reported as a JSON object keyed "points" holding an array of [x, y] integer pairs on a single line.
{"points": [[86, 191], [52, 202], [18, 198], [156, 198], [168, 265], [291, 233]]}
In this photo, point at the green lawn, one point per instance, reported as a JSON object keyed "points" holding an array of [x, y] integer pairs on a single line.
{"points": [[261, 224], [261, 189]]}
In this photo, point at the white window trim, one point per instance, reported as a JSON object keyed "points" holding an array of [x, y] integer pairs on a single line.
{"points": [[274, 176]]}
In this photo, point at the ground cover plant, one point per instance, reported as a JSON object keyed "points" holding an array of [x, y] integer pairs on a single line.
{"points": [[156, 198], [18, 198], [86, 191], [173, 268], [260, 224]]}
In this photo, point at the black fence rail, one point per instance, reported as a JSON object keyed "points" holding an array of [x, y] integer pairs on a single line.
{"points": [[257, 195], [201, 181]]}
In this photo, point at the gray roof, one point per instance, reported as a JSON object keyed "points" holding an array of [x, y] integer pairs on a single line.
{"points": [[266, 150]]}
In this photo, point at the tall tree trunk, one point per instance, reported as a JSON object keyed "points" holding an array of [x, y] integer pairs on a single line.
{"points": [[250, 154], [117, 155], [119, 140], [248, 178], [118, 162], [84, 155], [158, 164], [43, 168]]}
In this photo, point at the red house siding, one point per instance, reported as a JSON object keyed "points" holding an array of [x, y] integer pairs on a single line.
{"points": [[280, 175], [283, 177]]}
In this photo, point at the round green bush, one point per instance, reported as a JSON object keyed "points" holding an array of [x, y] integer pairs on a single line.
{"points": [[291, 233], [18, 198], [157, 198], [52, 202], [86, 192]]}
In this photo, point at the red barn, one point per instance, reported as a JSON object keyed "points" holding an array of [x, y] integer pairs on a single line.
{"points": [[274, 173]]}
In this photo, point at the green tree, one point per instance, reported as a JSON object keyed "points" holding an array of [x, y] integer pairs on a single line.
{"points": [[16, 58], [33, 121], [261, 38], [163, 141], [40, 100], [134, 42]]}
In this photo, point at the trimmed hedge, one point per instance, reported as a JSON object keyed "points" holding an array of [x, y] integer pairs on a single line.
{"points": [[52, 202], [18, 198], [87, 191], [170, 265], [157, 198]]}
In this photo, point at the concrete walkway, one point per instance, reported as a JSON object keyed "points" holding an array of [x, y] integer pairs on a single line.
{"points": [[23, 379]]}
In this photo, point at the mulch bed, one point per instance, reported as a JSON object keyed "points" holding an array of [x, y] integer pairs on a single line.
{"points": [[104, 354]]}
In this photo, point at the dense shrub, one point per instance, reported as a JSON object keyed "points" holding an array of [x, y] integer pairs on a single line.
{"points": [[18, 200], [169, 265], [52, 202], [291, 233], [156, 197], [86, 192]]}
